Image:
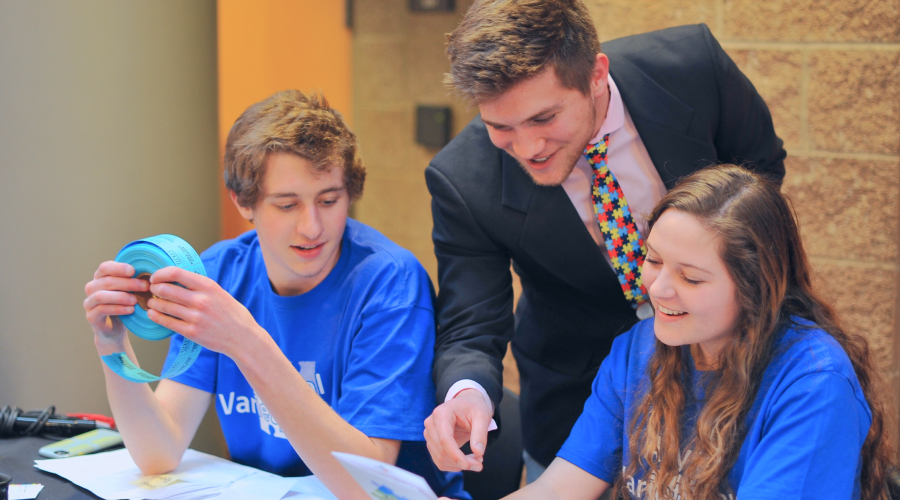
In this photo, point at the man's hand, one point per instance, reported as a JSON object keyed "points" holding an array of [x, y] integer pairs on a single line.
{"points": [[107, 299], [465, 418], [200, 310]]}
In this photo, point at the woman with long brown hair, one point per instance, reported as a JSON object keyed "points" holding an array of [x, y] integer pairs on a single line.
{"points": [[743, 384]]}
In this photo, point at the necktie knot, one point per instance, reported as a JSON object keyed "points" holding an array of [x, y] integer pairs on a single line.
{"points": [[596, 152]]}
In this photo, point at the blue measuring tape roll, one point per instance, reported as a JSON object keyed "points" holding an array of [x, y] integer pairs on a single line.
{"points": [[147, 256]]}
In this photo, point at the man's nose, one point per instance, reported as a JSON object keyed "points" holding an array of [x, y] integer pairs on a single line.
{"points": [[529, 146], [309, 224]]}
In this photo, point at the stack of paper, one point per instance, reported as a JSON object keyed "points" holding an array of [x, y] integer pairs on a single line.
{"points": [[113, 475]]}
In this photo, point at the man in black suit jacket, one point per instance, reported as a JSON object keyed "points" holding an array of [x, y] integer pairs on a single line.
{"points": [[502, 191]]}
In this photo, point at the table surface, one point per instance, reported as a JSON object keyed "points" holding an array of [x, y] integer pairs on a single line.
{"points": [[17, 456]]}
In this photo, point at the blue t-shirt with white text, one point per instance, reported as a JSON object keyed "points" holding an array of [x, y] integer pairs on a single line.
{"points": [[363, 339], [806, 426]]}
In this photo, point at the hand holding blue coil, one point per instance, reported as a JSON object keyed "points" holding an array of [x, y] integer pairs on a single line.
{"points": [[147, 256]]}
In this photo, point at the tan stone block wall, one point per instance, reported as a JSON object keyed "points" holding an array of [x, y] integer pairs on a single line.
{"points": [[847, 207], [777, 75], [862, 293], [830, 72], [399, 62], [812, 20], [854, 100], [618, 18]]}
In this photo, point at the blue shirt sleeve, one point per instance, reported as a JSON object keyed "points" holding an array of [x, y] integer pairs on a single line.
{"points": [[387, 391], [811, 444]]}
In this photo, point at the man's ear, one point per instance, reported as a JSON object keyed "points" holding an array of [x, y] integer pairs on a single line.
{"points": [[246, 213], [600, 75]]}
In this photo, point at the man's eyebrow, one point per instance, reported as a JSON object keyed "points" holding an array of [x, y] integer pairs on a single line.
{"points": [[682, 264], [281, 195], [539, 114], [289, 194], [551, 109], [332, 189]]}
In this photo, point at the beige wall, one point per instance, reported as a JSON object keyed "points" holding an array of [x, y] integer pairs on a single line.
{"points": [[107, 134], [830, 72]]}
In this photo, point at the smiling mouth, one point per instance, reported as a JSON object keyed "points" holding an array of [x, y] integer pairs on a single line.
{"points": [[670, 312], [307, 247], [537, 163]]}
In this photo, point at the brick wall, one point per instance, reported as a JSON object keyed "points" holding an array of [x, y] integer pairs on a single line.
{"points": [[829, 71]]}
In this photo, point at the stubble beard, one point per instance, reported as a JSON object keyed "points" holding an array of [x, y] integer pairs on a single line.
{"points": [[569, 160]]}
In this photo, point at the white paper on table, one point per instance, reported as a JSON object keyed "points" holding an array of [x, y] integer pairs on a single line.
{"points": [[24, 491], [259, 485], [88, 466], [309, 488], [112, 475], [381, 480]]}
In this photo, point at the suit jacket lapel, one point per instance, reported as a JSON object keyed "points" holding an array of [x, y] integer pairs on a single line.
{"points": [[662, 121], [553, 233]]}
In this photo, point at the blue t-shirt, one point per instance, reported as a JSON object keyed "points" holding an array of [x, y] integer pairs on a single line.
{"points": [[806, 427], [363, 339]]}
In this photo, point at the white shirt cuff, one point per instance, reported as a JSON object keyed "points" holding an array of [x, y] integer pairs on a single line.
{"points": [[464, 384]]}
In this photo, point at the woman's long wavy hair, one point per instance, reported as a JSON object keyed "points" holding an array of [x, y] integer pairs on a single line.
{"points": [[759, 242]]}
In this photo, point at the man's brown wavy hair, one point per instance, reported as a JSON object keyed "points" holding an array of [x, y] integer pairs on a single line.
{"points": [[291, 122], [759, 242], [500, 43]]}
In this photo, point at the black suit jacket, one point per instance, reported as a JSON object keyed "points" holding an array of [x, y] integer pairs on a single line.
{"points": [[692, 108]]}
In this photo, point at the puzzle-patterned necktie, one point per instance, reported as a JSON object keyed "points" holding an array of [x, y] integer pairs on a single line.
{"points": [[623, 239]]}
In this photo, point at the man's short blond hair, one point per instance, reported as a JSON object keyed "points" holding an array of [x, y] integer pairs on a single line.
{"points": [[500, 43], [291, 122]]}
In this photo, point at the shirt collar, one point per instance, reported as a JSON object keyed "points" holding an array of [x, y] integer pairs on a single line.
{"points": [[615, 113]]}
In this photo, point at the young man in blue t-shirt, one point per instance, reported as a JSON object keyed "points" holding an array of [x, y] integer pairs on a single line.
{"points": [[318, 332]]}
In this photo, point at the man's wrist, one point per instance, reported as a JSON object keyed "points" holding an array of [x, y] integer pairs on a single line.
{"points": [[256, 347], [106, 345], [466, 384], [477, 393], [471, 392]]}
